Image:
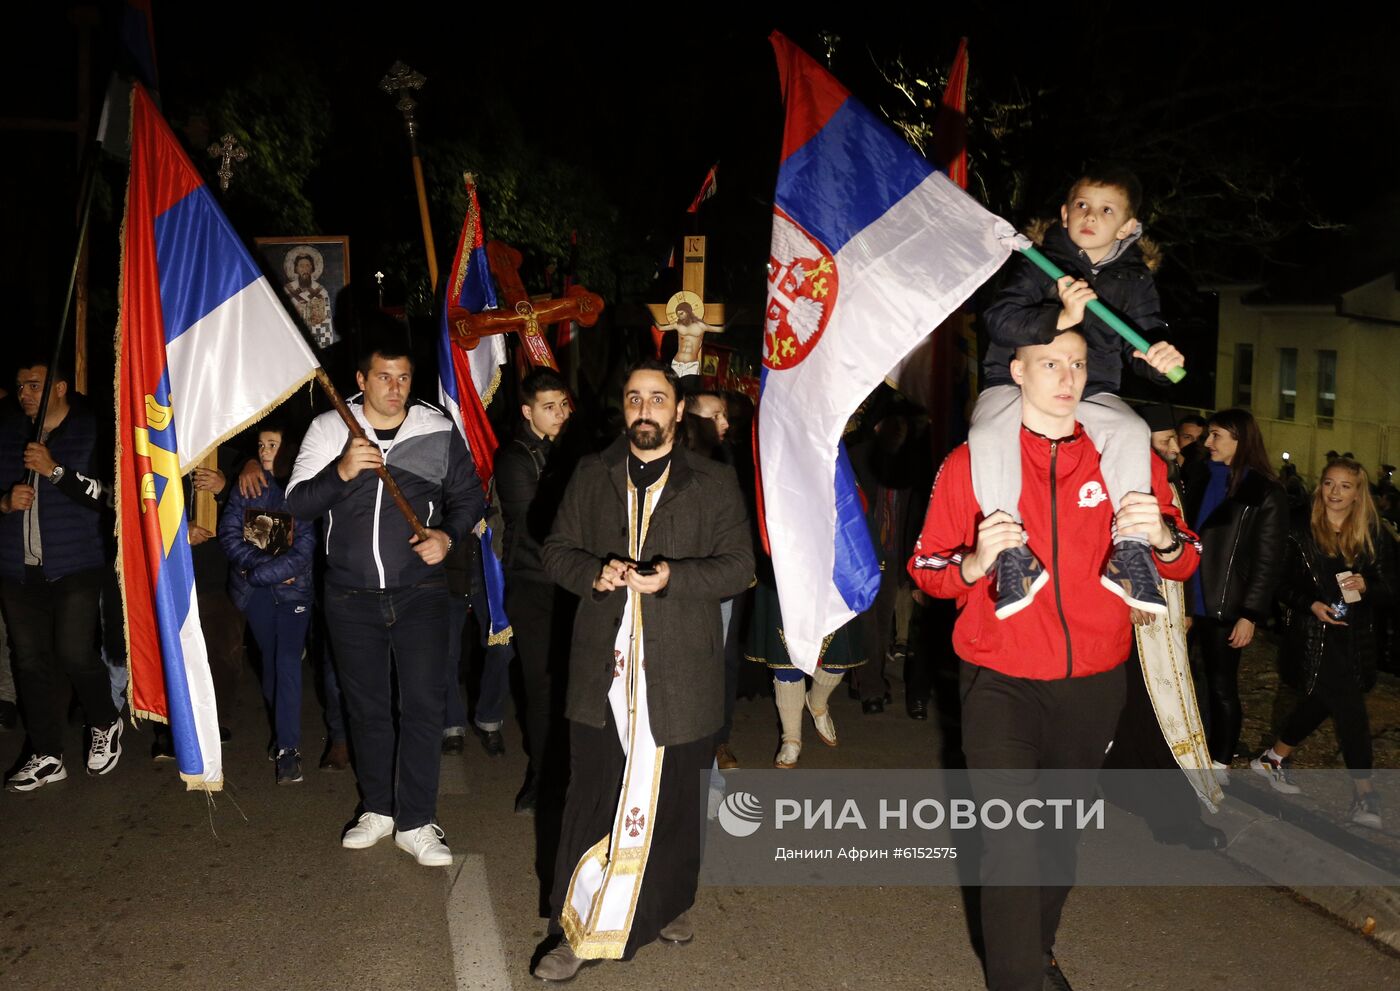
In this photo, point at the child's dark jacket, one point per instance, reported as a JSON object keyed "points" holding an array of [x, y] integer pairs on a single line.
{"points": [[1027, 306]]}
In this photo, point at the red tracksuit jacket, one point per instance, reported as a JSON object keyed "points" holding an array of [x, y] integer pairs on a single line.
{"points": [[1075, 626]]}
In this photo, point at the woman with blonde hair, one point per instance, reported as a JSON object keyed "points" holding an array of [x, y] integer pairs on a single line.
{"points": [[1340, 571]]}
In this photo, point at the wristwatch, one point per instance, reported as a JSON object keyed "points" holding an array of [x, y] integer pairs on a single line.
{"points": [[56, 475], [1176, 541]]}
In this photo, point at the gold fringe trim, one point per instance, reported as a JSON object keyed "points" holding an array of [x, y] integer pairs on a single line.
{"points": [[193, 782], [491, 389], [497, 639], [252, 419], [142, 713]]}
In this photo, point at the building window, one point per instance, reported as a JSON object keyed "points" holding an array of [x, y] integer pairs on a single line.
{"points": [[1287, 383], [1244, 375], [1326, 387]]}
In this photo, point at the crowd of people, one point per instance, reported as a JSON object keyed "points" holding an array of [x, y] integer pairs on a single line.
{"points": [[1069, 531]]}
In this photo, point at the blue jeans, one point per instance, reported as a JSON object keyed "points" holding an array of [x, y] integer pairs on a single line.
{"points": [[280, 632], [397, 772]]}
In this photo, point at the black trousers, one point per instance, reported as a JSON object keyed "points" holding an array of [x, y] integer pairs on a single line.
{"points": [[397, 770], [1221, 665], [878, 630], [673, 866], [53, 635], [1013, 727], [1336, 694], [540, 617], [1166, 800]]}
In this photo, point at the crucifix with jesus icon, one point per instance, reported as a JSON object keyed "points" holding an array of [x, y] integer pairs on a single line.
{"points": [[687, 313]]}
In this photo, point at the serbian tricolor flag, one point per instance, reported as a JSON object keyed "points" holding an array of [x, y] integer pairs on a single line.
{"points": [[872, 248], [204, 348], [468, 379]]}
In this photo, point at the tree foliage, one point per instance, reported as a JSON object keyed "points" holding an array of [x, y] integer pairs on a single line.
{"points": [[279, 114]]}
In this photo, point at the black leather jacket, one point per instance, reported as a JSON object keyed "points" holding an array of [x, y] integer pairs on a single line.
{"points": [[1312, 577], [1243, 548]]}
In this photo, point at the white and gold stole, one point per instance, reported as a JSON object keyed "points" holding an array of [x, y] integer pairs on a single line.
{"points": [[1166, 669], [602, 895]]}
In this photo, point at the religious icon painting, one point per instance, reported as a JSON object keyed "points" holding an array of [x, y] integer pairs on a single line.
{"points": [[311, 273], [268, 530]]}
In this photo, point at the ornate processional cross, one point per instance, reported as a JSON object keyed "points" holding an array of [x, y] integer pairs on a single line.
{"points": [[686, 312]]}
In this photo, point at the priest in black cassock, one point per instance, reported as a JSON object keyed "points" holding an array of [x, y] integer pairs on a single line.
{"points": [[650, 538]]}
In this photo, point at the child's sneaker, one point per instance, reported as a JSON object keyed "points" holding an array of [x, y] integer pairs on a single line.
{"points": [[1279, 773], [1019, 577], [1366, 810], [1132, 574]]}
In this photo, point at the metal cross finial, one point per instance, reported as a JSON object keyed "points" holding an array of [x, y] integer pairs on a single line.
{"points": [[230, 151], [401, 80]]}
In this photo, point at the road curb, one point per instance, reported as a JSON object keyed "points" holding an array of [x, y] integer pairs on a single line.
{"points": [[1267, 845]]}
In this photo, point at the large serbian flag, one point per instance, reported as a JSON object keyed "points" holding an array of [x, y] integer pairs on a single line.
{"points": [[872, 248], [204, 348]]}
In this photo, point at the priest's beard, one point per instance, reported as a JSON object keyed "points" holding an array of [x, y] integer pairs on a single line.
{"points": [[648, 435]]}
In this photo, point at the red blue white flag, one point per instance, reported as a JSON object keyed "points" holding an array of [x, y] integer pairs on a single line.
{"points": [[204, 348], [467, 380], [872, 248]]}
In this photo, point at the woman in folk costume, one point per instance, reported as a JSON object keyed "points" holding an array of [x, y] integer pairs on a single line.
{"points": [[841, 652], [1340, 574]]}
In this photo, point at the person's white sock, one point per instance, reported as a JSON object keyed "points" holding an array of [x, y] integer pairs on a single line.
{"points": [[824, 682], [788, 696]]}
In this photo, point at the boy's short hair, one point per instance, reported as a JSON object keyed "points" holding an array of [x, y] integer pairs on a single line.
{"points": [[1016, 355], [1193, 419], [1112, 174], [540, 380]]}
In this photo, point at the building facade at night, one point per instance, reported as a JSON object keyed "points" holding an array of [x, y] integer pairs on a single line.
{"points": [[1319, 374]]}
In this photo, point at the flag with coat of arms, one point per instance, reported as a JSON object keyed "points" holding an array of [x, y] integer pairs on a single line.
{"points": [[872, 248]]}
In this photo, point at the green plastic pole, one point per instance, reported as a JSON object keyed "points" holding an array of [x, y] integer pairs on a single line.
{"points": [[1099, 310]]}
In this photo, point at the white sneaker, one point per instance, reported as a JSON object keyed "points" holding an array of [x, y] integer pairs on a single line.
{"points": [[425, 843], [1221, 772], [1279, 773], [105, 749], [38, 771], [369, 830]]}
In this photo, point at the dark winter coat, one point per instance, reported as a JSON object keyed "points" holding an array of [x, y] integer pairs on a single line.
{"points": [[699, 528], [251, 567], [521, 467], [1310, 576], [366, 537], [71, 512], [1243, 548], [1027, 306]]}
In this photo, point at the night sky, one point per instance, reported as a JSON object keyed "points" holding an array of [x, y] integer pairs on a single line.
{"points": [[1268, 143]]}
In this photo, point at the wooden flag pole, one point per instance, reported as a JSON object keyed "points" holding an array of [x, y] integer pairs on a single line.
{"points": [[392, 487], [401, 80]]}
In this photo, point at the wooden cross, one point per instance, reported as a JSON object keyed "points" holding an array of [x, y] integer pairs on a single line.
{"points": [[520, 314], [686, 312], [229, 151]]}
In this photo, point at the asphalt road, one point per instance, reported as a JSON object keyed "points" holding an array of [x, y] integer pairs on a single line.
{"points": [[129, 881]]}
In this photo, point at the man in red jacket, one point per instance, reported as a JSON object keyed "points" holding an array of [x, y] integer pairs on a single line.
{"points": [[1043, 688]]}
